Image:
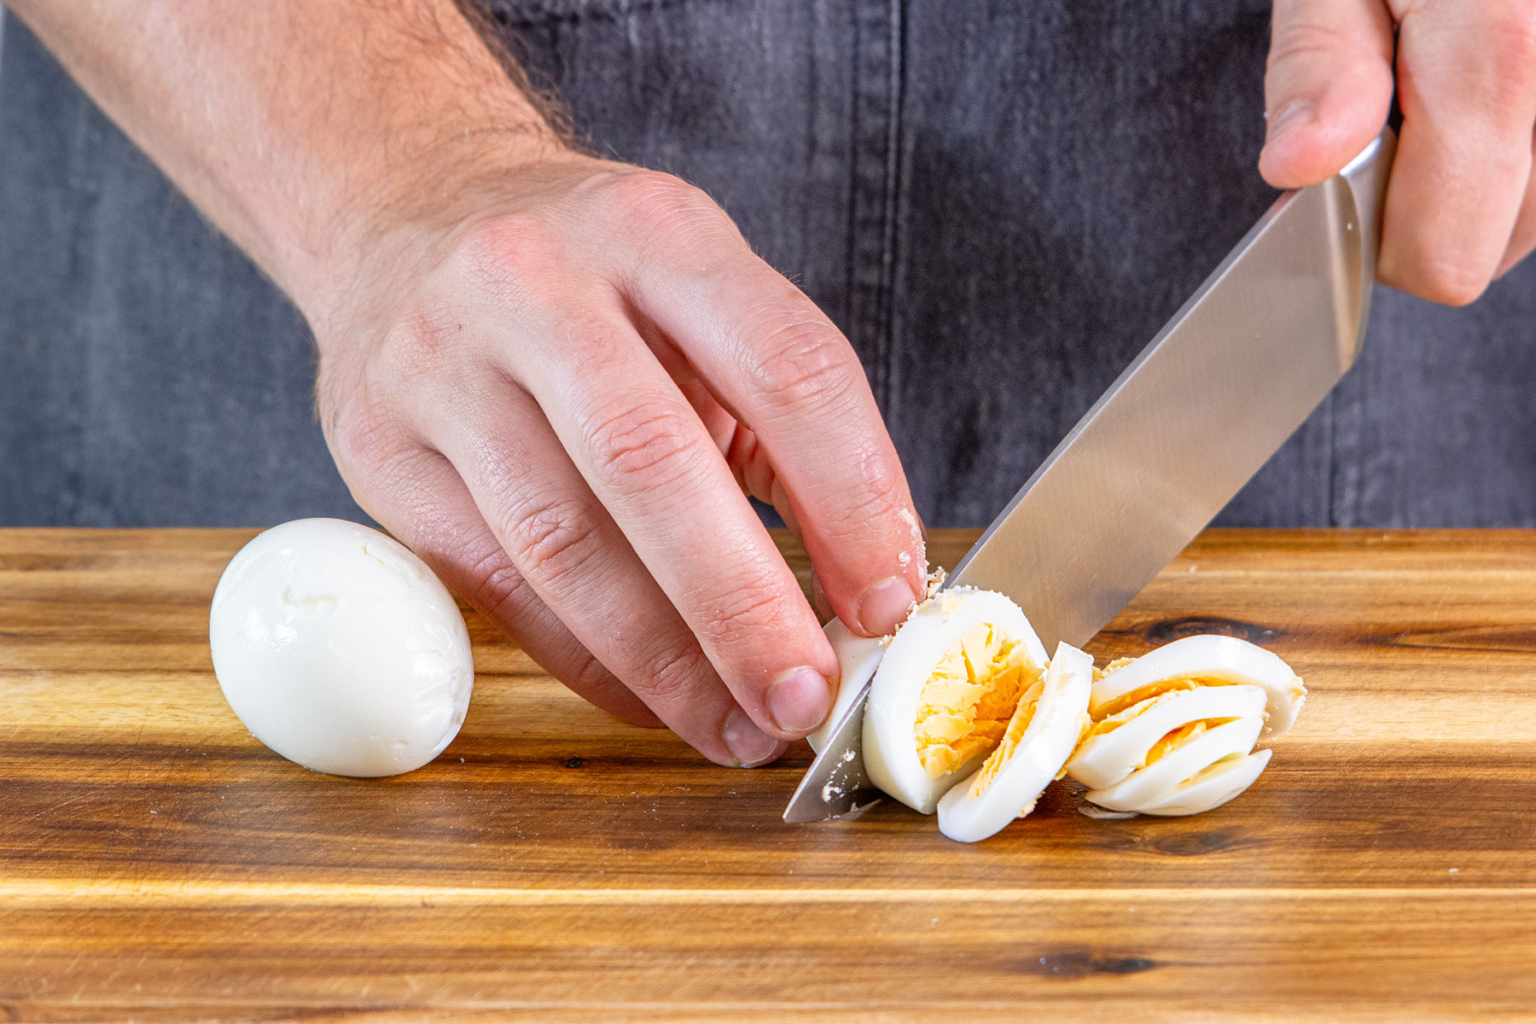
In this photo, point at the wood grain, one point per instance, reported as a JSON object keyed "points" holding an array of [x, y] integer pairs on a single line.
{"points": [[157, 863]]}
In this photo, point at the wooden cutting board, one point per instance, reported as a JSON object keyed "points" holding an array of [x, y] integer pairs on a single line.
{"points": [[157, 863]]}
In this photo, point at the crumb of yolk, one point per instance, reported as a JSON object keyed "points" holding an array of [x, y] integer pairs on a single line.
{"points": [[969, 699]]}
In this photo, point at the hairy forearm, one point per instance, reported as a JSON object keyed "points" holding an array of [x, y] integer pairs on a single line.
{"points": [[300, 127]]}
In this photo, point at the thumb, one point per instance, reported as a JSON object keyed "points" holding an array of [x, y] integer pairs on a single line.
{"points": [[1328, 87]]}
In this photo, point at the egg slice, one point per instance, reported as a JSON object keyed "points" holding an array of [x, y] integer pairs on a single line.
{"points": [[1173, 731], [1039, 739], [944, 692], [340, 650], [1205, 661], [857, 659]]}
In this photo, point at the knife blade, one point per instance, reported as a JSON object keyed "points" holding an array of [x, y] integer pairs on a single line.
{"points": [[1215, 393]]}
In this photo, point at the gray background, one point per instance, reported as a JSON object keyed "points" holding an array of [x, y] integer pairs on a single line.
{"points": [[999, 203]]}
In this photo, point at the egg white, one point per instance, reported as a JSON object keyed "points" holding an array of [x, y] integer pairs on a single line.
{"points": [[1150, 786], [936, 625], [339, 649], [1244, 693], [857, 659], [1223, 658], [967, 815], [1105, 759], [1212, 789]]}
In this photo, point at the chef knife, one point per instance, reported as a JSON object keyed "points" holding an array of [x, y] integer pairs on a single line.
{"points": [[1205, 404]]}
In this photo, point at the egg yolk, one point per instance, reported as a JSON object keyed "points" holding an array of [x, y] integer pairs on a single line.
{"points": [[1130, 705], [969, 699], [1017, 726]]}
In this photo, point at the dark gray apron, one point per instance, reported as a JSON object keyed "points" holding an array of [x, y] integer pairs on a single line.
{"points": [[998, 202]]}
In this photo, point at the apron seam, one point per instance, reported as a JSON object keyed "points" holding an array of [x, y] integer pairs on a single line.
{"points": [[878, 72]]}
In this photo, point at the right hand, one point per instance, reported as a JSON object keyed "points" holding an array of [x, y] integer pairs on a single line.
{"points": [[556, 387]]}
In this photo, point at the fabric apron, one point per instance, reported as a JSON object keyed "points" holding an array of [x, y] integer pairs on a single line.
{"points": [[999, 203]]}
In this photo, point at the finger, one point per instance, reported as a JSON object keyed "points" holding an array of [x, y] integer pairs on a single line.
{"points": [[581, 566], [419, 498], [1523, 239], [1327, 89], [1467, 87], [793, 381], [652, 464]]}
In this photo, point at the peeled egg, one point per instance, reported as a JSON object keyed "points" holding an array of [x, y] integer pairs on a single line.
{"points": [[1213, 661], [857, 658], [339, 649], [1173, 731], [1039, 739], [944, 692]]}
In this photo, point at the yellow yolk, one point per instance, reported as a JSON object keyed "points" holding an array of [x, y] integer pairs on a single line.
{"points": [[970, 698], [1174, 740], [1129, 706], [1017, 725], [1151, 691], [1108, 723]]}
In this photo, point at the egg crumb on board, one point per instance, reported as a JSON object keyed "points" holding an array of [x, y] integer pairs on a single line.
{"points": [[340, 650], [966, 716]]}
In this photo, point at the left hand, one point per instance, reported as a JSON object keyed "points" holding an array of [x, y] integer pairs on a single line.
{"points": [[1461, 206]]}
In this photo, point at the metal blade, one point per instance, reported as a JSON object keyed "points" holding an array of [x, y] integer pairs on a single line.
{"points": [[1177, 435], [836, 785], [1204, 406]]}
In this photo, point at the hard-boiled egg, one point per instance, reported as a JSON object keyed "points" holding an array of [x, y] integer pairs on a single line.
{"points": [[1205, 661], [1039, 739], [339, 649], [1173, 731], [857, 658], [944, 692]]}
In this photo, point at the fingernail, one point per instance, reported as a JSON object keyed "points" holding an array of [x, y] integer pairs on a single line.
{"points": [[885, 605], [1295, 114], [749, 744], [800, 700]]}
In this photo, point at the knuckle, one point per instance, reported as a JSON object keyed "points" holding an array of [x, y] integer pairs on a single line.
{"points": [[880, 497], [646, 442], [1513, 66], [591, 676], [655, 202], [513, 252], [804, 364], [742, 615], [418, 346], [1304, 38], [549, 539], [673, 677], [363, 432], [497, 589]]}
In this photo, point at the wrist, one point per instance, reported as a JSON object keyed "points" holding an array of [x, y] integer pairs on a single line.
{"points": [[386, 214]]}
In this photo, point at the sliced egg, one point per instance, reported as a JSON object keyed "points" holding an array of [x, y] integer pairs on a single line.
{"points": [[857, 658], [1205, 661], [1039, 739], [944, 692], [1173, 731], [1119, 744]]}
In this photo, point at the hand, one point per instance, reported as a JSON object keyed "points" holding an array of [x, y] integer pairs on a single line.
{"points": [[557, 389], [1461, 206], [552, 376]]}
